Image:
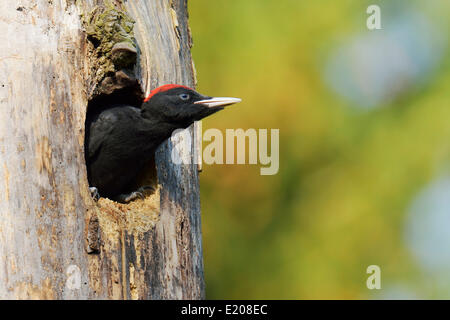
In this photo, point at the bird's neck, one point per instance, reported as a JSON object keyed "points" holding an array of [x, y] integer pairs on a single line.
{"points": [[155, 132]]}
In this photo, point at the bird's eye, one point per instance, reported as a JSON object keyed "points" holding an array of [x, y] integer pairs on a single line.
{"points": [[184, 96]]}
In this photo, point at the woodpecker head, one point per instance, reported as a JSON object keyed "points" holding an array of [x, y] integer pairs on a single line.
{"points": [[181, 106]]}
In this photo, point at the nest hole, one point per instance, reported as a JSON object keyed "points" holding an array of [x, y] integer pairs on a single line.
{"points": [[129, 95]]}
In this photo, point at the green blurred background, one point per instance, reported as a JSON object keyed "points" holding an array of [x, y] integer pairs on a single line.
{"points": [[364, 148]]}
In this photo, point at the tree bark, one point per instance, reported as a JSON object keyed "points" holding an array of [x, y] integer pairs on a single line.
{"points": [[55, 241]]}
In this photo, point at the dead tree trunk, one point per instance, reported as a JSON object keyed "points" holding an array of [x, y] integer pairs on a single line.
{"points": [[55, 241]]}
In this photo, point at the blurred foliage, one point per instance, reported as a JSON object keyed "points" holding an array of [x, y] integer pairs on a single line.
{"points": [[347, 174]]}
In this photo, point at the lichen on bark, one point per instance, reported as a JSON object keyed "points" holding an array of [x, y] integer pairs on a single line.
{"points": [[112, 49]]}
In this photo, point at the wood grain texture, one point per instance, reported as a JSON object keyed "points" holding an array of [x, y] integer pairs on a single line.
{"points": [[48, 219]]}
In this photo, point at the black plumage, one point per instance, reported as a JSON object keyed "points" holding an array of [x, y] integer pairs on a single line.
{"points": [[121, 139]]}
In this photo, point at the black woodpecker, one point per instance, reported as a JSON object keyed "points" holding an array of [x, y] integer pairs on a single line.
{"points": [[121, 139]]}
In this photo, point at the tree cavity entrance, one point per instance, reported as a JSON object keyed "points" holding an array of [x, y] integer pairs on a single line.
{"points": [[146, 181]]}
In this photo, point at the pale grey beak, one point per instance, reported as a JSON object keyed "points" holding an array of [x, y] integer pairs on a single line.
{"points": [[218, 101]]}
